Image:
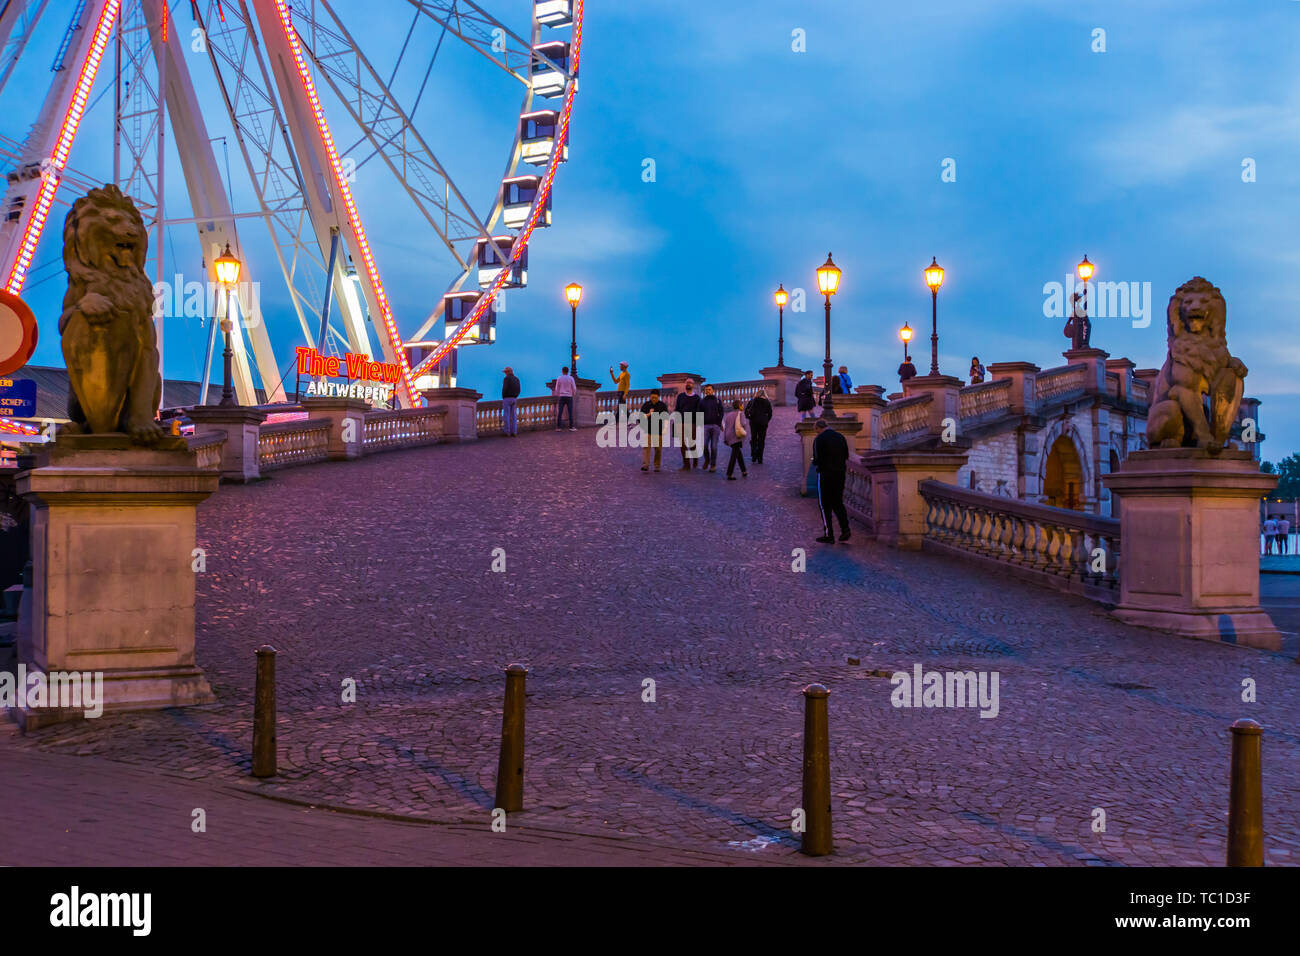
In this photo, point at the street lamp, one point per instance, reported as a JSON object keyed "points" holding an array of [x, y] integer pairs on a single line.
{"points": [[1081, 326], [782, 297], [227, 266], [573, 292], [934, 279], [828, 283]]}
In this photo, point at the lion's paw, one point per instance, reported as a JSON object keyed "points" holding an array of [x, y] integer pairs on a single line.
{"points": [[145, 433]]}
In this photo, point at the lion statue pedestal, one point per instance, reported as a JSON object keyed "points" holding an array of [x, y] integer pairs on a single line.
{"points": [[1189, 506], [114, 498]]}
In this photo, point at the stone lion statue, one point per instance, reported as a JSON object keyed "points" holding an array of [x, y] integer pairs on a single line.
{"points": [[1199, 389], [110, 344]]}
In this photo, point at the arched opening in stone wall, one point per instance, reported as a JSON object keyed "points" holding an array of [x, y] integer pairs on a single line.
{"points": [[1063, 479]]}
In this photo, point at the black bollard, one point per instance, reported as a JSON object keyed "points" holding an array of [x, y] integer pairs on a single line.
{"points": [[816, 772], [1245, 797], [510, 768], [264, 714]]}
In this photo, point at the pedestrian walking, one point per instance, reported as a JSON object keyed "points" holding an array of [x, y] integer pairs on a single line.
{"points": [[734, 429], [1270, 534], [656, 421], [687, 405], [713, 412], [623, 383], [803, 396], [830, 456], [564, 390], [759, 414], [509, 398], [1283, 535]]}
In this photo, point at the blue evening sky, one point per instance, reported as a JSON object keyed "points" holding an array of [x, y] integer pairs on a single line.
{"points": [[766, 158]]}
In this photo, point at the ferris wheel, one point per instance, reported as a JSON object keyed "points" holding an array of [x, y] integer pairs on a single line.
{"points": [[305, 104]]}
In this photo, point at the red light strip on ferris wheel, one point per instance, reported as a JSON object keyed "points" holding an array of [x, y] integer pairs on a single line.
{"points": [[345, 192], [58, 160], [539, 205]]}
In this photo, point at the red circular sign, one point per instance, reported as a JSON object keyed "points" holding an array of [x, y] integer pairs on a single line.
{"points": [[17, 333]]}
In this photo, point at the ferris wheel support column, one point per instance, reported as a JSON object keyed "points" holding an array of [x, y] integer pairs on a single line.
{"points": [[325, 188], [45, 153], [210, 204]]}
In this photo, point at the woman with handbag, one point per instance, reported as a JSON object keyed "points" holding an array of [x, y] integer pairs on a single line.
{"points": [[734, 430]]}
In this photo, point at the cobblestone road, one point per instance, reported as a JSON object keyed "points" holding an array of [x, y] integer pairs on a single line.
{"points": [[379, 571]]}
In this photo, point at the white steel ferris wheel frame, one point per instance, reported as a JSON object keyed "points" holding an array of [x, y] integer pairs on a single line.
{"points": [[288, 150]]}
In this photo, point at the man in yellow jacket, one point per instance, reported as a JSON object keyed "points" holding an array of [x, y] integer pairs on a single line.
{"points": [[623, 382]]}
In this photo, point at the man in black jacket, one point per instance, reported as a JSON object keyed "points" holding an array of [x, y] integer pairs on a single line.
{"points": [[656, 416], [804, 397], [830, 456], [687, 404], [713, 412], [509, 396], [759, 413]]}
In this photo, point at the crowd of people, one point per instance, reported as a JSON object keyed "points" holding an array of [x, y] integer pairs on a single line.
{"points": [[719, 424]]}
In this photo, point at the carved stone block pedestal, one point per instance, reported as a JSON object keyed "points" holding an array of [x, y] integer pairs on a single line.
{"points": [[1190, 561], [113, 535]]}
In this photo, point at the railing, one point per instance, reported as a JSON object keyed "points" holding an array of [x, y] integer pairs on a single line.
{"points": [[608, 401], [209, 449], [531, 414], [1068, 550], [1114, 385], [905, 416], [857, 495], [404, 428], [1059, 381], [728, 392], [285, 444], [1141, 392], [983, 399]]}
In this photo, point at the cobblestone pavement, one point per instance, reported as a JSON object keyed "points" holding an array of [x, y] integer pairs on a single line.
{"points": [[379, 571]]}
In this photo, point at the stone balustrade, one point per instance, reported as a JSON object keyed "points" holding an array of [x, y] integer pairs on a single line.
{"points": [[209, 448], [1067, 550], [607, 402], [985, 399], [905, 418], [532, 414], [404, 428], [1055, 382], [286, 444]]}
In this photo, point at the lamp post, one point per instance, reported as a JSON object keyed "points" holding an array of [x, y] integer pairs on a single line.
{"points": [[828, 283], [907, 370], [227, 266], [782, 297], [934, 279], [1081, 327], [573, 292]]}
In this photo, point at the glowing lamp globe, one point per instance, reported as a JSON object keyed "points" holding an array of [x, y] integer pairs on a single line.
{"points": [[828, 277], [573, 292], [782, 297], [227, 266], [934, 275], [1086, 270]]}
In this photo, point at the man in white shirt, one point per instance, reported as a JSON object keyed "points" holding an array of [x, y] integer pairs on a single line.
{"points": [[565, 389], [1270, 532]]}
